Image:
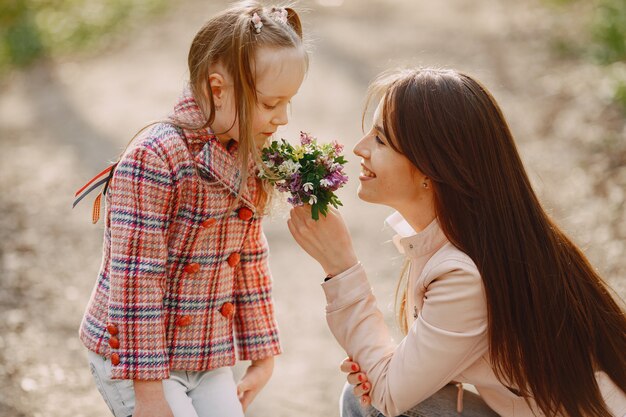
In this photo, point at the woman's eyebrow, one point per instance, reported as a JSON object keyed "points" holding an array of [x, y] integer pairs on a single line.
{"points": [[379, 129]]}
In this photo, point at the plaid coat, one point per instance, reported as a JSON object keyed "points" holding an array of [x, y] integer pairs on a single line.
{"points": [[182, 273]]}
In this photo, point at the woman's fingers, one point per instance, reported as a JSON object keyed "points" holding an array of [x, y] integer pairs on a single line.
{"points": [[362, 389], [349, 366], [357, 378]]}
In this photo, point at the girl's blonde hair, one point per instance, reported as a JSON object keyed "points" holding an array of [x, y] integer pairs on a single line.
{"points": [[230, 39]]}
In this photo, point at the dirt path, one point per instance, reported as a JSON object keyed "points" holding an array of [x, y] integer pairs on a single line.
{"points": [[61, 121]]}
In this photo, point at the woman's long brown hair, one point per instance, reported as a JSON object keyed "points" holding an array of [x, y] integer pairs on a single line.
{"points": [[552, 320]]}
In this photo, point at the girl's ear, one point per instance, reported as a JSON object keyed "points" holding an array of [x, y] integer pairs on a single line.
{"points": [[216, 84]]}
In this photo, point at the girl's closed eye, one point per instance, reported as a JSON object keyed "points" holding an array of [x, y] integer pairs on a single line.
{"points": [[379, 140], [270, 106]]}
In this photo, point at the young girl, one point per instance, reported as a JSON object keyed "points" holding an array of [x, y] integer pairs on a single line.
{"points": [[185, 262], [496, 295]]}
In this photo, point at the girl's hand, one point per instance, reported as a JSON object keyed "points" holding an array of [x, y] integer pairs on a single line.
{"points": [[358, 379], [327, 240], [254, 380], [150, 400]]}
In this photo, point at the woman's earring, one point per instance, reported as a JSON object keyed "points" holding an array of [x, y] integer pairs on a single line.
{"points": [[425, 184]]}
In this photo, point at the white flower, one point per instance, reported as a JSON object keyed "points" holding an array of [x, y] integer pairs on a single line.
{"points": [[289, 167], [312, 199], [307, 186], [325, 183]]}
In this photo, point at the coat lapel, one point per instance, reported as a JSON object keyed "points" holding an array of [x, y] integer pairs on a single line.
{"points": [[211, 157], [223, 165]]}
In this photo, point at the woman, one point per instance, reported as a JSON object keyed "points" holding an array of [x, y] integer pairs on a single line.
{"points": [[496, 295]]}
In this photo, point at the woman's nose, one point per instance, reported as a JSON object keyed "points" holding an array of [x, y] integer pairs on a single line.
{"points": [[361, 149]]}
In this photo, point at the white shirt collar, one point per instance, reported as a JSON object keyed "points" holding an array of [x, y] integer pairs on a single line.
{"points": [[414, 244]]}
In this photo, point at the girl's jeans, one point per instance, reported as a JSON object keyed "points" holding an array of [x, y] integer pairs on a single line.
{"points": [[440, 404], [189, 394]]}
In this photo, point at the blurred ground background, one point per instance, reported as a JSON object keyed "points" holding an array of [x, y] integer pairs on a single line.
{"points": [[79, 77]]}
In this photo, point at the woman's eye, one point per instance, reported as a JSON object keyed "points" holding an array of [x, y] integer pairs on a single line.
{"points": [[267, 106], [378, 140]]}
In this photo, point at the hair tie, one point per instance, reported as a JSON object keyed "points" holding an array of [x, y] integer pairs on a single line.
{"points": [[256, 22], [279, 14]]}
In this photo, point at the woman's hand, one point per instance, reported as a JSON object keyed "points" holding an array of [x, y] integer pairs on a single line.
{"points": [[327, 240], [254, 380], [358, 379], [150, 400]]}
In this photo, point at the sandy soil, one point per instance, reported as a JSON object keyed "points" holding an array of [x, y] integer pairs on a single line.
{"points": [[61, 121]]}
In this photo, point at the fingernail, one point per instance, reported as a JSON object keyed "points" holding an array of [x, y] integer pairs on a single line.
{"points": [[361, 377], [355, 367], [365, 386]]}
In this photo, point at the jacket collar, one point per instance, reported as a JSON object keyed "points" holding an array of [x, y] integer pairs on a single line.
{"points": [[212, 158], [412, 244]]}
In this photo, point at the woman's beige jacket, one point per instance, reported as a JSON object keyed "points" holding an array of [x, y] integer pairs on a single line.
{"points": [[447, 338]]}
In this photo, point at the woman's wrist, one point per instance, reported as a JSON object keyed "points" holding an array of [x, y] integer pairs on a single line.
{"points": [[343, 266]]}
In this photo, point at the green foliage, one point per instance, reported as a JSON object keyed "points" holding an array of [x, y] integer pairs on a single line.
{"points": [[620, 95], [609, 31], [30, 29], [605, 39]]}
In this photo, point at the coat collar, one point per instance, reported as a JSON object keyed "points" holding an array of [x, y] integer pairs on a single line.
{"points": [[212, 158], [413, 244]]}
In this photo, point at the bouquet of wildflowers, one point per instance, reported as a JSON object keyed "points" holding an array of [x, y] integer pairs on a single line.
{"points": [[309, 172]]}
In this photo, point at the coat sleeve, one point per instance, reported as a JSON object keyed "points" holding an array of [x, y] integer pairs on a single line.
{"points": [[447, 336], [140, 201], [255, 325]]}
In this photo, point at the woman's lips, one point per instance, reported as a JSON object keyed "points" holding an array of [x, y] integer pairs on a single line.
{"points": [[366, 174]]}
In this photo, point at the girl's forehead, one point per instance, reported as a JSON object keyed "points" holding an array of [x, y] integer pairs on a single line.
{"points": [[279, 72]]}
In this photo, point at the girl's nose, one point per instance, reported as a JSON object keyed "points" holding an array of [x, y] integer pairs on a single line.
{"points": [[281, 118]]}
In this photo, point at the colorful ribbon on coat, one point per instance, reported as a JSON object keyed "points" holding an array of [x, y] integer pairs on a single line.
{"points": [[102, 178]]}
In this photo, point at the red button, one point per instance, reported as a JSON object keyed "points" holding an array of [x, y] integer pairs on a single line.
{"points": [[112, 329], [192, 268], [114, 342], [208, 223], [234, 259], [115, 358], [227, 310], [245, 213], [183, 321]]}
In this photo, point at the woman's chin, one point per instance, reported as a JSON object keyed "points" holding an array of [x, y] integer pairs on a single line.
{"points": [[364, 196]]}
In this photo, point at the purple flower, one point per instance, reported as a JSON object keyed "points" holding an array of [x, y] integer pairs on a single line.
{"points": [[276, 158], [283, 186], [338, 147], [305, 138], [295, 200], [295, 182], [335, 180]]}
